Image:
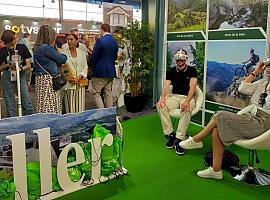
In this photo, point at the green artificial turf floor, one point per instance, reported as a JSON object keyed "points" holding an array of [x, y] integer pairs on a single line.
{"points": [[158, 173]]}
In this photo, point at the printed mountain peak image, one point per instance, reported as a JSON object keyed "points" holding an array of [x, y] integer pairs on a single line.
{"points": [[231, 14]]}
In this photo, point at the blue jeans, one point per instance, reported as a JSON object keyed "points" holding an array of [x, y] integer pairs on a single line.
{"points": [[9, 91]]}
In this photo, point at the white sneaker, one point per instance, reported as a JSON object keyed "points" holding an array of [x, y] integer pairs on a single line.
{"points": [[190, 144], [210, 173]]}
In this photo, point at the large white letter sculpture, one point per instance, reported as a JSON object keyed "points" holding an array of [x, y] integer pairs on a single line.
{"points": [[19, 162]]}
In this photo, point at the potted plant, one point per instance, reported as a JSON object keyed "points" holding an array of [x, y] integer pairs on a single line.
{"points": [[140, 57]]}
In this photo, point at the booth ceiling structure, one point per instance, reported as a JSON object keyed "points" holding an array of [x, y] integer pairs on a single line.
{"points": [[127, 2]]}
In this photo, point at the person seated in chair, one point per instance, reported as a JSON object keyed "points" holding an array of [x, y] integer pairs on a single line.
{"points": [[183, 78], [226, 127]]}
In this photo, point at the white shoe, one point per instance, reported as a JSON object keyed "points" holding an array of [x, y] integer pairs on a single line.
{"points": [[210, 173], [190, 144]]}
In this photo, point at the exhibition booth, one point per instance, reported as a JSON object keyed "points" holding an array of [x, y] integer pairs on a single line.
{"points": [[95, 154]]}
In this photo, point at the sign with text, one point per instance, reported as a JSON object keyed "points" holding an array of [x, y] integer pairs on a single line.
{"points": [[28, 25], [237, 34], [185, 36], [62, 146]]}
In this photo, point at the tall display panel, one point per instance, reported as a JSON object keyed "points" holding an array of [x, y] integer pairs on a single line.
{"points": [[233, 34], [186, 30]]}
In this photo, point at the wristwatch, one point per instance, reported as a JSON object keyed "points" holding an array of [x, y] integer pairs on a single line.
{"points": [[21, 67]]}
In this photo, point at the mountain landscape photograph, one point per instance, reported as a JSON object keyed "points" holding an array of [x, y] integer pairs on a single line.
{"points": [[222, 81]]}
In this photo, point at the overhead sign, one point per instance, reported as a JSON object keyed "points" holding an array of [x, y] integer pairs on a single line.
{"points": [[28, 25]]}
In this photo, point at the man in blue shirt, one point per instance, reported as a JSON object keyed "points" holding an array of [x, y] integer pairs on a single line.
{"points": [[103, 63]]}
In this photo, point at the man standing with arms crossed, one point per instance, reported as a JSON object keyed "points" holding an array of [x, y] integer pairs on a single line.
{"points": [[183, 78], [103, 63]]}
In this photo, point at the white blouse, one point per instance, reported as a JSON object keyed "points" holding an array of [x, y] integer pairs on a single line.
{"points": [[78, 64], [255, 89]]}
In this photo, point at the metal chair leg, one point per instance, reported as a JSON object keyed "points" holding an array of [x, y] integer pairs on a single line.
{"points": [[252, 175]]}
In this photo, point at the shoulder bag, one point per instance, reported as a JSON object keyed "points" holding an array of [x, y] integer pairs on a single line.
{"points": [[57, 81]]}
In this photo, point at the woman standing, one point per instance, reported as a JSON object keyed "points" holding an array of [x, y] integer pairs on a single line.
{"points": [[9, 82], [46, 61], [74, 93]]}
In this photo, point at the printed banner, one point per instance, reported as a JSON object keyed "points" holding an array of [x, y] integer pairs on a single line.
{"points": [[186, 15], [184, 36], [228, 66], [239, 34], [51, 155], [234, 14], [234, 40]]}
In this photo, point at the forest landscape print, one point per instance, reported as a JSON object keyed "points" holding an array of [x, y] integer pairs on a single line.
{"points": [[187, 15]]}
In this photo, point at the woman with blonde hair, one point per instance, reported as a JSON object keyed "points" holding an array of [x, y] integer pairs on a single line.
{"points": [[74, 92], [47, 59]]}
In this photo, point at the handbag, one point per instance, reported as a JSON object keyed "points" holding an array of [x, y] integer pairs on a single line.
{"points": [[57, 81], [67, 72], [229, 160]]}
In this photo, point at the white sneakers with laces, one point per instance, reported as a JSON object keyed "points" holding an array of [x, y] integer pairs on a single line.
{"points": [[210, 173], [190, 144]]}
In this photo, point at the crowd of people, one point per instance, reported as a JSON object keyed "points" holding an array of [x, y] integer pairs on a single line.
{"points": [[224, 127], [46, 60]]}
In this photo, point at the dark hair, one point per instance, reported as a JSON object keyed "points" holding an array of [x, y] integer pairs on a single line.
{"points": [[73, 30], [26, 35], [106, 27], [8, 36], [75, 36]]}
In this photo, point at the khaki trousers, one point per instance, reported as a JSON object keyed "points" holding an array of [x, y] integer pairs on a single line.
{"points": [[102, 87], [173, 102]]}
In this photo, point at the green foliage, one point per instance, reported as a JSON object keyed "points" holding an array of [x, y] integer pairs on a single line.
{"points": [[199, 55], [187, 14], [141, 56]]}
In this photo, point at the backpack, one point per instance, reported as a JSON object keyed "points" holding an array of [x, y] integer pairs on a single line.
{"points": [[257, 59], [229, 160]]}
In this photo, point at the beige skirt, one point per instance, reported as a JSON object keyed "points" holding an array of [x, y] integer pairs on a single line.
{"points": [[232, 127], [47, 100]]}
